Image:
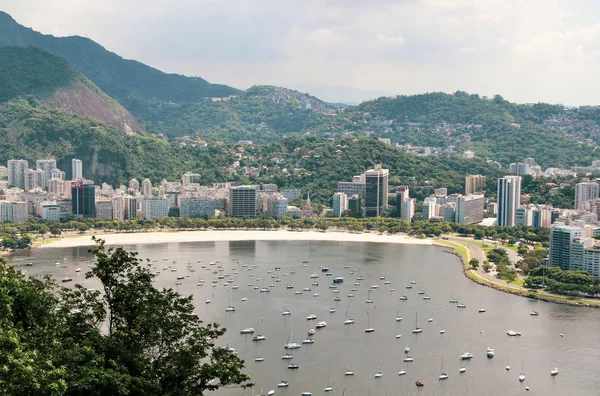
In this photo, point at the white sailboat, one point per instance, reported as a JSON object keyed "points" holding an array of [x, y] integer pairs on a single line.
{"points": [[378, 373], [554, 370], [369, 329], [398, 317], [417, 329], [481, 309], [348, 320], [443, 375], [521, 376], [328, 387], [291, 344]]}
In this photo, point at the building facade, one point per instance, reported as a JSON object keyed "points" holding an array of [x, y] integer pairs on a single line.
{"points": [[16, 172], [376, 191], [474, 183], [83, 198], [76, 169], [584, 191], [47, 166], [509, 200], [469, 209], [197, 207], [242, 201], [340, 204]]}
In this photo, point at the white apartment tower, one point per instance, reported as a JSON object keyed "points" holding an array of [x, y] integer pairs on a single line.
{"points": [[16, 172], [46, 165], [146, 188], [76, 169], [584, 191], [340, 204], [509, 200]]}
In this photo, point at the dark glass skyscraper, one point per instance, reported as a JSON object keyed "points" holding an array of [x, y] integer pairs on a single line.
{"points": [[83, 195]]}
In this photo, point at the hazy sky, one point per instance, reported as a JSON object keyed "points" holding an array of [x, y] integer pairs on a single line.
{"points": [[525, 50]]}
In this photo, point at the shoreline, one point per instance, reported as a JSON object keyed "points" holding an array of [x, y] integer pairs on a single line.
{"points": [[116, 239]]}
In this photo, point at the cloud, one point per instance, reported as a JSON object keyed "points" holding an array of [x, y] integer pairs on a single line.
{"points": [[512, 47]]}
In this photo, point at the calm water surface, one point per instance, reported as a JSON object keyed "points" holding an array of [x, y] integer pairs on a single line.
{"points": [[577, 354]]}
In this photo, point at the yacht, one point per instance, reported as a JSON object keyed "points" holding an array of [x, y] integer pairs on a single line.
{"points": [[259, 338], [283, 384], [248, 330], [337, 298], [403, 298], [338, 280], [417, 329], [379, 374], [286, 312], [426, 298], [412, 282], [554, 372], [298, 292], [398, 336], [522, 377], [402, 372], [287, 356], [311, 317], [466, 356], [409, 286], [421, 291], [293, 366], [462, 369], [308, 341], [490, 352], [314, 276], [259, 359], [534, 313], [332, 310], [311, 332], [244, 299], [320, 325], [408, 359], [230, 308], [454, 301], [348, 371], [349, 321]]}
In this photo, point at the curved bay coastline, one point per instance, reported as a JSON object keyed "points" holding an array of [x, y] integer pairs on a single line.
{"points": [[158, 237]]}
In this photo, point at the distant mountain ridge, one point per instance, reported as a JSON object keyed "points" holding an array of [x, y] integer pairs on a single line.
{"points": [[31, 72], [118, 77]]}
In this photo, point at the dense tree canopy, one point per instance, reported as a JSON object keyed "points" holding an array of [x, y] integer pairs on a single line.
{"points": [[127, 339]]}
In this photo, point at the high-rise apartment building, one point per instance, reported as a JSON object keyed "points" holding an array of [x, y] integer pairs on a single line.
{"points": [[571, 250], [469, 209], [376, 191], [56, 187], [242, 201], [518, 168], [146, 188], [46, 165], [291, 194], [134, 185], [83, 198], [277, 206], [155, 207], [408, 209], [34, 179], [104, 209], [429, 208], [197, 207], [474, 183], [16, 172], [190, 178], [15, 212], [340, 204], [118, 208], [131, 208], [509, 200], [76, 169], [584, 191], [58, 174]]}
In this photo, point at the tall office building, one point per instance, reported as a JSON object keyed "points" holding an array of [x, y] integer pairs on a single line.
{"points": [[242, 201], [355, 205], [561, 239], [408, 209], [76, 169], [401, 197], [47, 166], [584, 191], [474, 183], [376, 191], [16, 172], [146, 188], [34, 179], [83, 198], [131, 208], [340, 204], [509, 200], [469, 209]]}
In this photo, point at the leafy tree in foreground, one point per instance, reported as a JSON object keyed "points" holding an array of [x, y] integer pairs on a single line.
{"points": [[129, 339]]}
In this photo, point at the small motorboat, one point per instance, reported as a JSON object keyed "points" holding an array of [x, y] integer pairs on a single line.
{"points": [[554, 372], [248, 330], [419, 382], [534, 313], [259, 338], [408, 359], [320, 325], [402, 372], [283, 384], [466, 356], [308, 341], [287, 356], [286, 312], [311, 332], [293, 366], [379, 374], [311, 317], [462, 369], [406, 350], [490, 352]]}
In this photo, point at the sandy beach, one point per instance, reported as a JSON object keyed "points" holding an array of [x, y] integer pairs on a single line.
{"points": [[225, 236]]}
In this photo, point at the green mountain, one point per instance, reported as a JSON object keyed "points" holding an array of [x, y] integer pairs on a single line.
{"points": [[30, 130], [261, 114], [33, 73], [118, 77]]}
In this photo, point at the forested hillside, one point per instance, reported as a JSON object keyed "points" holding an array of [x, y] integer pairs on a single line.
{"points": [[40, 76]]}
